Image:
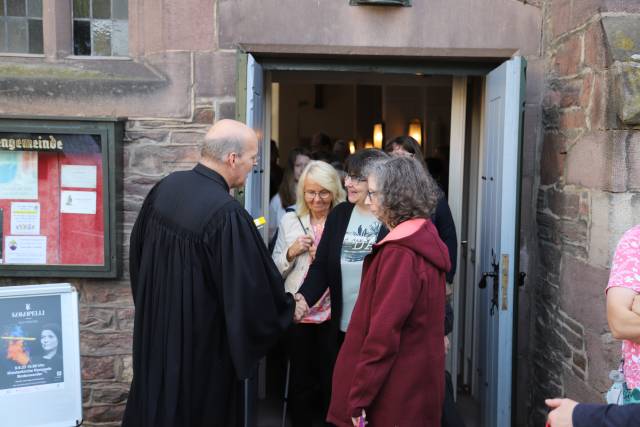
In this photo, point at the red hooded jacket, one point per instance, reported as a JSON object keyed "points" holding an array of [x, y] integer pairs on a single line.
{"points": [[392, 360]]}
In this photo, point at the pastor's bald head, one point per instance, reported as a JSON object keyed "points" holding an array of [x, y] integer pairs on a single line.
{"points": [[226, 137]]}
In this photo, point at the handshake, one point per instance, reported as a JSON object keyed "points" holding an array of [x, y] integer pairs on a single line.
{"points": [[302, 309]]}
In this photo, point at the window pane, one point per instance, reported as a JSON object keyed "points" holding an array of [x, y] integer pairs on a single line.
{"points": [[81, 8], [120, 9], [35, 8], [81, 38], [16, 7], [3, 46], [101, 9], [17, 36], [35, 36], [101, 37], [120, 38], [1, 7]]}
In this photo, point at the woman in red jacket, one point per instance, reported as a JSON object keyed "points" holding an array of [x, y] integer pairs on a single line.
{"points": [[390, 366]]}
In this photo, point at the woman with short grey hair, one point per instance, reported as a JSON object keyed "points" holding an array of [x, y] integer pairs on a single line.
{"points": [[403, 192], [390, 366]]}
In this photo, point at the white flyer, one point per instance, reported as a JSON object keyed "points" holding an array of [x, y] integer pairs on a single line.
{"points": [[25, 250], [25, 218], [79, 176], [78, 202]]}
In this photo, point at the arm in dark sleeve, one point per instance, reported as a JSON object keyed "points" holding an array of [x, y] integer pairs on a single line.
{"points": [[443, 220], [589, 415], [136, 240], [317, 282], [448, 318], [257, 310]]}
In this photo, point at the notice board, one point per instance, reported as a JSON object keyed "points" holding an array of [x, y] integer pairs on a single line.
{"points": [[57, 197], [40, 377]]}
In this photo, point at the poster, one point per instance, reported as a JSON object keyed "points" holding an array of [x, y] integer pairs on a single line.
{"points": [[25, 249], [25, 218], [30, 344], [19, 175], [79, 176], [79, 202]]}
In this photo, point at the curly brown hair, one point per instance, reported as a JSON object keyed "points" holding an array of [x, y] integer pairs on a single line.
{"points": [[405, 190]]}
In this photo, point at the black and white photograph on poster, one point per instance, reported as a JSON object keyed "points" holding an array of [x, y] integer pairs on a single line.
{"points": [[30, 344]]}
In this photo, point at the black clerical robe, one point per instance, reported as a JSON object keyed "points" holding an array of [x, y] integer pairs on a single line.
{"points": [[209, 302]]}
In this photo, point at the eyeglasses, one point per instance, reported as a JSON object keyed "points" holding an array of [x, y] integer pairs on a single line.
{"points": [[254, 159], [324, 194], [371, 194], [355, 178]]}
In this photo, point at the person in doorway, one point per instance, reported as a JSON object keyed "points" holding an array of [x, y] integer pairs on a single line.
{"points": [[349, 234], [569, 413], [209, 301], [285, 200], [321, 143], [275, 172], [340, 151], [319, 190], [443, 221], [389, 369], [442, 218], [621, 294]]}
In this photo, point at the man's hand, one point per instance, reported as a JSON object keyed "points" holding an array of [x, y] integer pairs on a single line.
{"points": [[447, 345], [562, 412], [635, 307], [302, 309]]}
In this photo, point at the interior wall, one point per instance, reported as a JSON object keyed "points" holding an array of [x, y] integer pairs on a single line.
{"points": [[302, 115], [348, 111], [432, 106]]}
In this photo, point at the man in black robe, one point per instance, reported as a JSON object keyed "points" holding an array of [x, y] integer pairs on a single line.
{"points": [[209, 301]]}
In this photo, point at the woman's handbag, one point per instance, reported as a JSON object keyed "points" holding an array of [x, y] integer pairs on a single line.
{"points": [[619, 393]]}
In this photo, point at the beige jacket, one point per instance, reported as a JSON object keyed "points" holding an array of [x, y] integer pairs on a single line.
{"points": [[289, 230]]}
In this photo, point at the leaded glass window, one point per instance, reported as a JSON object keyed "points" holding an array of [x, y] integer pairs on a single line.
{"points": [[21, 26], [100, 27]]}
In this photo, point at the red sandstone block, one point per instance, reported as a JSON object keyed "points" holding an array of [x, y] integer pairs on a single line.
{"points": [[560, 17], [595, 52], [106, 344], [97, 318], [106, 294], [567, 58], [572, 119], [110, 394], [104, 413], [98, 368]]}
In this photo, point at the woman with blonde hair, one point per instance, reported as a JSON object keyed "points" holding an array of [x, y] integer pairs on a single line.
{"points": [[319, 190]]}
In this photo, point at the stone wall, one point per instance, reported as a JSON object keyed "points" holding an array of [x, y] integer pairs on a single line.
{"points": [[176, 85], [182, 78], [588, 193]]}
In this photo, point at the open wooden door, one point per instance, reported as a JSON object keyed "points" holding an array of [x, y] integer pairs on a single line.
{"points": [[256, 199], [498, 239], [250, 95]]}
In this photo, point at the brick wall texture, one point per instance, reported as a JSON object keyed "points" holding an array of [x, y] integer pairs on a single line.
{"points": [[587, 181], [588, 192]]}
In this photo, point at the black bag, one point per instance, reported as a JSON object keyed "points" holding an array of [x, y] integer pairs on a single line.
{"points": [[274, 239]]}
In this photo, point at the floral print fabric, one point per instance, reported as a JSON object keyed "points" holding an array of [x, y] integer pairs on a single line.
{"points": [[625, 272]]}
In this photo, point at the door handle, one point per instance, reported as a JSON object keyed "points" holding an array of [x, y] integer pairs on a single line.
{"points": [[494, 277], [483, 282]]}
